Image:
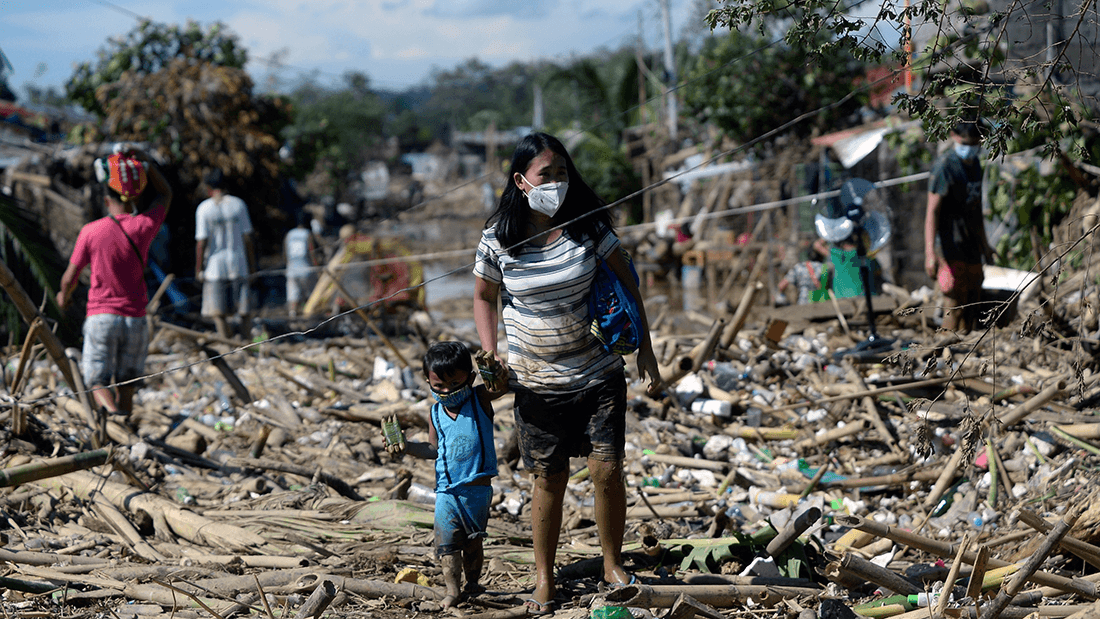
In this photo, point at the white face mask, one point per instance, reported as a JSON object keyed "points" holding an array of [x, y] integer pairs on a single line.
{"points": [[546, 198]]}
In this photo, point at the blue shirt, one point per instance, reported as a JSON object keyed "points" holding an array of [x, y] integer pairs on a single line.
{"points": [[465, 445]]}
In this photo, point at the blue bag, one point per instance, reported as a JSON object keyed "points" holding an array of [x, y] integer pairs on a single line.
{"points": [[616, 321]]}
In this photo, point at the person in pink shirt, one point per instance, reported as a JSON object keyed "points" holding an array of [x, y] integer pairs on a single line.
{"points": [[116, 248]]}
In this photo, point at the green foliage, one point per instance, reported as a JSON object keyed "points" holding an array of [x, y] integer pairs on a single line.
{"points": [[747, 87], [910, 149], [334, 129], [961, 72], [29, 253], [148, 48], [1035, 202], [606, 169]]}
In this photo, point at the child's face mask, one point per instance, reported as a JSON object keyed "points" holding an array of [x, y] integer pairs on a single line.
{"points": [[454, 399]]}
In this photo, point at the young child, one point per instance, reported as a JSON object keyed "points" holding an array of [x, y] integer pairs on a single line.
{"points": [[460, 440]]}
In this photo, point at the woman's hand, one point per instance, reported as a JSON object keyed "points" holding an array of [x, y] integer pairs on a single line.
{"points": [[931, 265], [647, 366]]}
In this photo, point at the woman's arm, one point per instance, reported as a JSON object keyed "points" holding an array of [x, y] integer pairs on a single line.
{"points": [[486, 296], [647, 361]]}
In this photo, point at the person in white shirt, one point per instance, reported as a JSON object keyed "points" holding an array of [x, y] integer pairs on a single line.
{"points": [[299, 248], [224, 256]]}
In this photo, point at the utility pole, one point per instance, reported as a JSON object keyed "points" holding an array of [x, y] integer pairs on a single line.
{"points": [[670, 72], [537, 121]]}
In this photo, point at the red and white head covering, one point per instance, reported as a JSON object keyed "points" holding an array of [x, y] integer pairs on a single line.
{"points": [[123, 173]]}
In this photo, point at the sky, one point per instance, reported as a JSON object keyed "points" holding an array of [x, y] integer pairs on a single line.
{"points": [[397, 43]]}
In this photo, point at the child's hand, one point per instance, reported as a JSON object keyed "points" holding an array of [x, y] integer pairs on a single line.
{"points": [[393, 437]]}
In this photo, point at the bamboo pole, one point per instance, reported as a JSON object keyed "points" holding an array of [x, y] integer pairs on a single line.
{"points": [[30, 313], [43, 469], [790, 533], [1082, 549], [834, 434], [332, 481], [920, 384], [870, 572], [214, 337], [1017, 414], [946, 550], [730, 331], [1030, 566]]}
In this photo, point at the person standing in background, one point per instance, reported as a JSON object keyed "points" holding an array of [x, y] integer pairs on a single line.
{"points": [[954, 232], [223, 230], [299, 248]]}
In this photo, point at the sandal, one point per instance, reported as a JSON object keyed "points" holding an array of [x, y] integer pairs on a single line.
{"points": [[537, 608]]}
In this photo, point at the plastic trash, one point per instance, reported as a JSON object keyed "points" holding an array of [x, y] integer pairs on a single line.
{"points": [[611, 612], [717, 408]]}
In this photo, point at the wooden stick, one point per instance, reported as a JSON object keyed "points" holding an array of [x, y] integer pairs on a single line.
{"points": [[366, 318], [1030, 566], [1079, 586], [920, 384], [29, 313], [952, 574], [332, 481], [1089, 552]]}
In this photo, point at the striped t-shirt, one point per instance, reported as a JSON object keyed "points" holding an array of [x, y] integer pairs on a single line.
{"points": [[544, 294]]}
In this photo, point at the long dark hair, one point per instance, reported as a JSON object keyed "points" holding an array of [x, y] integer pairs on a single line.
{"points": [[513, 212]]}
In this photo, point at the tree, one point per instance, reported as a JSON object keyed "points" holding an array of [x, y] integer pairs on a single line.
{"points": [[961, 58], [335, 131], [183, 91], [747, 87], [149, 48]]}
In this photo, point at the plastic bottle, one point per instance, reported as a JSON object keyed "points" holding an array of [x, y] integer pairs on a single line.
{"points": [[718, 408], [948, 498], [923, 600], [421, 494], [726, 375], [611, 612]]}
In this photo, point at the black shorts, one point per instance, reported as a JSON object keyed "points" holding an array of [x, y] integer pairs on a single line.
{"points": [[589, 423]]}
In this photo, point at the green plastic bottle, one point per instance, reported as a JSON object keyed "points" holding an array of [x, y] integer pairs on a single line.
{"points": [[611, 612]]}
